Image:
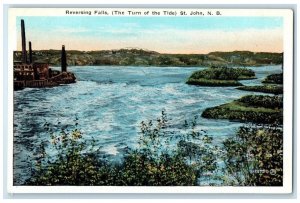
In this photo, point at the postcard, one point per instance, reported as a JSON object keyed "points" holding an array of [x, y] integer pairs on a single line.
{"points": [[150, 100]]}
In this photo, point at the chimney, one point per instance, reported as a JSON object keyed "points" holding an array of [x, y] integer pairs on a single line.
{"points": [[30, 53], [63, 59], [24, 55]]}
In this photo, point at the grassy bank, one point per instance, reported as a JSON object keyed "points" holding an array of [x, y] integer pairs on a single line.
{"points": [[272, 89], [220, 76], [252, 108]]}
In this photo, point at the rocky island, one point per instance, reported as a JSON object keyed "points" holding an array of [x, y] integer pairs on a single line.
{"points": [[220, 76]]}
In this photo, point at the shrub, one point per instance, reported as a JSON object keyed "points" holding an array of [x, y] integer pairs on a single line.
{"points": [[76, 162], [158, 162], [254, 156], [163, 157]]}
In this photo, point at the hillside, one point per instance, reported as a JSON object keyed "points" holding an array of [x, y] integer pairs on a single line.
{"points": [[139, 57]]}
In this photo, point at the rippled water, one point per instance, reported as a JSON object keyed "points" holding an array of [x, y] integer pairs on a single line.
{"points": [[110, 103]]}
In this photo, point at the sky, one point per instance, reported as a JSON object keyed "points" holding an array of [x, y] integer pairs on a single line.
{"points": [[162, 34]]}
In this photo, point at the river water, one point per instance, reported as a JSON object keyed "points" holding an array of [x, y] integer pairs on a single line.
{"points": [[109, 104]]}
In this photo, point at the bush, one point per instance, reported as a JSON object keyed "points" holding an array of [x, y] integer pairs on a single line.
{"points": [[162, 158], [76, 163], [155, 162], [139, 169], [158, 161], [254, 156]]}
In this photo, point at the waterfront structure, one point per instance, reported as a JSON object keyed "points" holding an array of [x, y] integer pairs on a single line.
{"points": [[37, 74]]}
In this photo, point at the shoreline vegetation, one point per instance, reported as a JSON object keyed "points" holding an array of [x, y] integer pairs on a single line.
{"points": [[272, 89], [272, 84], [192, 159], [274, 79], [140, 57], [213, 82], [220, 76], [260, 109]]}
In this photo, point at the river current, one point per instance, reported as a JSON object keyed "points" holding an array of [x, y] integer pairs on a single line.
{"points": [[109, 103]]}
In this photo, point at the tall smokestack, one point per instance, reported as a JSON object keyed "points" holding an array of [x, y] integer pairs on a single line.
{"points": [[30, 53], [63, 59], [24, 56]]}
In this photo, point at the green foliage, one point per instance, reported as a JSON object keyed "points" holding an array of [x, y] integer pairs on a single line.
{"points": [[75, 163], [245, 116], [190, 60], [155, 162], [251, 108], [254, 156], [273, 89], [139, 169], [272, 102], [274, 79], [159, 161], [213, 83], [162, 158], [165, 60], [224, 73], [250, 58], [135, 57], [220, 76]]}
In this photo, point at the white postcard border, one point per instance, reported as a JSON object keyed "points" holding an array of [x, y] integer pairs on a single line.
{"points": [[287, 14]]}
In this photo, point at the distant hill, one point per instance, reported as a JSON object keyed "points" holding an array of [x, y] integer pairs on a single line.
{"points": [[140, 57]]}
